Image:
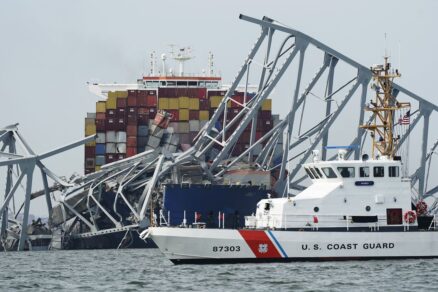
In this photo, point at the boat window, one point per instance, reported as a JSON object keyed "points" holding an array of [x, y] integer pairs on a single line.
{"points": [[314, 172], [364, 171], [379, 171], [329, 172], [346, 171], [319, 172], [193, 83], [309, 173], [163, 83], [181, 83], [394, 171], [267, 206], [171, 83]]}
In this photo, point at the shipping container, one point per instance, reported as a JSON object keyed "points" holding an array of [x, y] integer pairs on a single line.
{"points": [[100, 107], [122, 94], [193, 115], [151, 101], [184, 102], [100, 125], [90, 121], [204, 115], [90, 151], [132, 93], [131, 130], [110, 137], [90, 129], [131, 141], [163, 103], [132, 101], [121, 147], [194, 104], [141, 100], [153, 142], [122, 102], [110, 148], [142, 141], [183, 114], [194, 126], [143, 131], [215, 101], [173, 103], [111, 102], [111, 113], [131, 151], [267, 105], [183, 127], [101, 137], [100, 149], [90, 162]]}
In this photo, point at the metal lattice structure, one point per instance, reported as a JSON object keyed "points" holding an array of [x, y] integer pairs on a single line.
{"points": [[136, 181]]}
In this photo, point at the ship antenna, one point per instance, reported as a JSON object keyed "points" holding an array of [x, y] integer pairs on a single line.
{"points": [[210, 64], [383, 108], [153, 62]]}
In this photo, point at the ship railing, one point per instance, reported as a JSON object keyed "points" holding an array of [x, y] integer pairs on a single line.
{"points": [[314, 222], [433, 223], [162, 220]]}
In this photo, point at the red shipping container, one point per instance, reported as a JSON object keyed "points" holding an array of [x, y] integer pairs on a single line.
{"points": [[132, 93], [141, 100], [121, 102], [152, 113], [111, 113], [259, 135], [131, 141], [151, 101], [143, 119], [142, 110], [193, 115], [120, 156], [152, 92], [174, 115], [90, 151], [204, 104], [100, 116], [89, 170], [110, 158], [101, 125], [202, 93], [132, 101], [131, 151], [121, 113], [110, 124], [142, 93], [131, 130], [132, 110]]}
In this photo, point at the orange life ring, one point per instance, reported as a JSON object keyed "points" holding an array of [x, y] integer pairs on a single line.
{"points": [[410, 217]]}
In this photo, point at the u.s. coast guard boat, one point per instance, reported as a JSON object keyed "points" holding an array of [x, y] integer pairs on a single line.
{"points": [[354, 209]]}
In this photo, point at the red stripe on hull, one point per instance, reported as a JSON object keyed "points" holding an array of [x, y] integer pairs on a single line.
{"points": [[260, 244]]}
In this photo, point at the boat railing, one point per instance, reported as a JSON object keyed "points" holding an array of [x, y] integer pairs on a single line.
{"points": [[312, 221]]}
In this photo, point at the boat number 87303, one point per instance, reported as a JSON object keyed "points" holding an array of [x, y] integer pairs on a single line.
{"points": [[226, 248]]}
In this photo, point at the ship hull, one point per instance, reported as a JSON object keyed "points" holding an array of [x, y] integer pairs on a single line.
{"points": [[209, 246]]}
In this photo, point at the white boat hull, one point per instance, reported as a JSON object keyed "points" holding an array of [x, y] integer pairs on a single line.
{"points": [[189, 245]]}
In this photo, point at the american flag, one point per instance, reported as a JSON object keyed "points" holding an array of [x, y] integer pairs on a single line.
{"points": [[406, 119]]}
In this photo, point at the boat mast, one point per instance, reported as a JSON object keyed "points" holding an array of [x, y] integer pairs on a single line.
{"points": [[383, 108]]}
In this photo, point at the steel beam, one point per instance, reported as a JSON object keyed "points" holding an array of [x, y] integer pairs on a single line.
{"points": [[421, 174], [328, 105]]}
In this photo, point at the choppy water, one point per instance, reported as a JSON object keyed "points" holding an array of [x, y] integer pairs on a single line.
{"points": [[147, 269]]}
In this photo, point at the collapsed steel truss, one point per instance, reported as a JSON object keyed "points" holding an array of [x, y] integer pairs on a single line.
{"points": [[80, 199]]}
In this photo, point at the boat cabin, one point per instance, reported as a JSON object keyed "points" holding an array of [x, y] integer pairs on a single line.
{"points": [[343, 194]]}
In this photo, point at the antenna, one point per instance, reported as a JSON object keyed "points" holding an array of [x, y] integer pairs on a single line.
{"points": [[210, 64], [181, 56], [153, 64], [163, 60]]}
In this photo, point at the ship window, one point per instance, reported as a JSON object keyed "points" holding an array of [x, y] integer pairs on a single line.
{"points": [[379, 171], [393, 171], [329, 173], [163, 83], [318, 172], [193, 83], [314, 172], [202, 83], [267, 206], [309, 173], [364, 171], [171, 83], [346, 171], [181, 83]]}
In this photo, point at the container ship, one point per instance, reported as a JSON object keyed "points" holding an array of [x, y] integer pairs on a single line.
{"points": [[166, 112]]}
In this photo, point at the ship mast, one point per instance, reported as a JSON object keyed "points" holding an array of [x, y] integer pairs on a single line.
{"points": [[383, 108]]}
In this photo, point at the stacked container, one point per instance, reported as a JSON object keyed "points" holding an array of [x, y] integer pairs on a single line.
{"points": [[130, 122]]}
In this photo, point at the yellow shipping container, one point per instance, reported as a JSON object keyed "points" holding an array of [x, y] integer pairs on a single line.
{"points": [[183, 114], [194, 104], [111, 102], [97, 168], [90, 129], [163, 103], [100, 107], [91, 143], [122, 94], [267, 105], [184, 102], [90, 121], [173, 103], [112, 94], [215, 101], [204, 115]]}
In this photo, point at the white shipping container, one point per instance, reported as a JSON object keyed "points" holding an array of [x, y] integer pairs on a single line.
{"points": [[111, 137], [154, 142], [184, 127], [174, 125], [194, 126], [101, 138], [100, 160], [110, 147], [202, 124], [121, 147], [169, 130], [121, 137]]}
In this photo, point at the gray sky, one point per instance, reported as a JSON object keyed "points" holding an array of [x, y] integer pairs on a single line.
{"points": [[50, 49]]}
